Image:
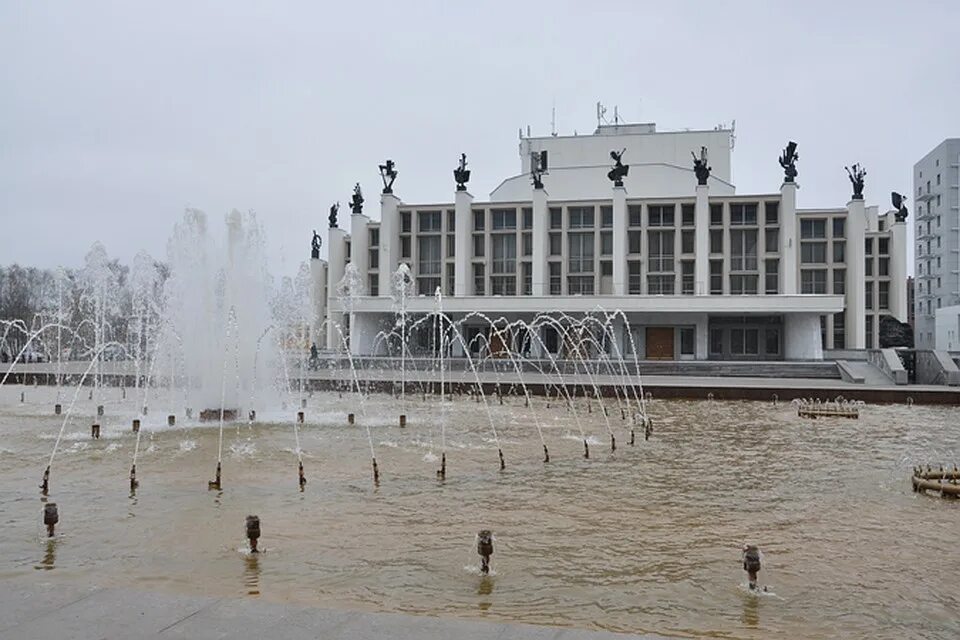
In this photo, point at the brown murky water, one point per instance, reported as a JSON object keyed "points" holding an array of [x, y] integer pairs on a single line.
{"points": [[645, 539]]}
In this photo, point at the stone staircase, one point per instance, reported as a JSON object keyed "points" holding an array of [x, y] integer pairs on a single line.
{"points": [[740, 369]]}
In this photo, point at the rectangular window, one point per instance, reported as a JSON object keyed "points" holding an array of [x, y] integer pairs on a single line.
{"points": [[580, 217], [556, 244], [606, 243], [686, 241], [716, 277], [813, 252], [404, 246], [772, 277], [373, 284], [634, 212], [771, 212], [813, 229], [527, 244], [839, 281], [743, 214], [451, 245], [504, 249], [503, 285], [868, 296], [660, 255], [526, 270], [688, 215], [660, 285], [479, 245], [580, 256], [883, 295], [743, 285], [527, 218], [686, 341], [556, 218], [868, 266], [716, 241], [634, 242], [503, 219], [716, 342], [404, 222], [839, 227], [716, 215], [883, 246], [479, 280], [883, 266], [479, 219], [868, 246], [580, 285], [374, 237], [744, 342], [450, 280], [556, 281], [813, 281], [660, 215], [428, 253], [743, 250], [839, 324], [451, 221], [634, 278], [771, 240], [374, 258], [771, 340], [686, 278], [839, 251], [606, 217], [428, 221]]}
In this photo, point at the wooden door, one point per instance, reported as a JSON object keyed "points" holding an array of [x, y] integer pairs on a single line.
{"points": [[659, 343]]}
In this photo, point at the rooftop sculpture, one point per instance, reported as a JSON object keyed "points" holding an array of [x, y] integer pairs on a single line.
{"points": [[538, 167], [619, 170], [315, 245], [388, 173], [356, 200], [334, 210], [856, 174], [900, 206], [788, 160], [700, 166], [461, 174]]}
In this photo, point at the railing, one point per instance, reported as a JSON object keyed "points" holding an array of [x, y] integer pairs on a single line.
{"points": [[889, 363]]}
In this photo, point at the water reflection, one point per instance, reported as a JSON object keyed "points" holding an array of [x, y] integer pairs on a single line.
{"points": [[251, 573], [485, 588], [751, 611], [49, 557]]}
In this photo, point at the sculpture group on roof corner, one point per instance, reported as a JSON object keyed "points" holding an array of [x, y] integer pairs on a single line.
{"points": [[334, 210], [315, 245], [388, 173], [538, 167], [700, 166], [899, 206], [461, 174], [856, 173], [619, 170], [788, 160], [356, 200]]}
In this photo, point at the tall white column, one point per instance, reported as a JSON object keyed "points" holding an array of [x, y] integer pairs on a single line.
{"points": [[337, 255], [359, 243], [463, 227], [898, 269], [788, 239], [318, 300], [701, 244], [541, 222], [855, 328], [619, 241], [389, 241]]}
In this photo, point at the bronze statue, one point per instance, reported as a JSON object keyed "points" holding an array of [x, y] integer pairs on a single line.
{"points": [[334, 210], [356, 200], [538, 167], [700, 166], [388, 173], [461, 174], [856, 174], [900, 206], [315, 245], [788, 160], [620, 170]]}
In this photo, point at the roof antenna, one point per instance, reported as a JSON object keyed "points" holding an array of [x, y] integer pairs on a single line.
{"points": [[553, 121], [616, 114], [601, 114], [733, 134], [528, 131]]}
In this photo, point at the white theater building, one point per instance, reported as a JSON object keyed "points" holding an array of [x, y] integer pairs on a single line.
{"points": [[700, 271]]}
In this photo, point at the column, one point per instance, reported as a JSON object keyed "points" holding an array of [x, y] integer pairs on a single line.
{"points": [[898, 269], [856, 297], [619, 241], [337, 254], [541, 222], [463, 213], [801, 339], [389, 241], [318, 301], [701, 247], [788, 239], [359, 245], [702, 337]]}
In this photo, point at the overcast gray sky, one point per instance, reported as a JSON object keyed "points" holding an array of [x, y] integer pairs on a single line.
{"points": [[114, 116]]}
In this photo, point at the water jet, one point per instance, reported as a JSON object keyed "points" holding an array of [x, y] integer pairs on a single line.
{"points": [[45, 483]]}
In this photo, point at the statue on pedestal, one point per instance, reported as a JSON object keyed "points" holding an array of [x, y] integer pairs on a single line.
{"points": [[856, 174], [700, 166], [900, 206], [788, 160], [356, 200], [334, 210], [388, 173], [538, 167], [461, 174], [620, 170], [315, 245]]}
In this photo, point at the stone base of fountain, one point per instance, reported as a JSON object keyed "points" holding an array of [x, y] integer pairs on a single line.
{"points": [[211, 415]]}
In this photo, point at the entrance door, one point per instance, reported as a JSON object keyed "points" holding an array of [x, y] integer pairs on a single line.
{"points": [[659, 343]]}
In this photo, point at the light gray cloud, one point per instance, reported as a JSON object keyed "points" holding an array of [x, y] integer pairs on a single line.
{"points": [[114, 116]]}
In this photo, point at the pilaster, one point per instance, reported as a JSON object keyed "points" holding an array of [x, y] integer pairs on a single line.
{"points": [[701, 242], [463, 203]]}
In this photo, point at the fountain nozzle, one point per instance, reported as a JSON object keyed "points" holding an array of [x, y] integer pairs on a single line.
{"points": [[647, 428], [485, 549], [613, 442], [546, 454], [633, 437], [135, 425], [57, 409], [134, 483], [253, 532], [303, 477], [45, 484], [403, 420], [376, 473], [215, 484], [751, 563], [50, 517], [252, 415], [299, 417], [502, 463], [586, 449], [95, 431], [442, 471], [171, 420], [350, 418]]}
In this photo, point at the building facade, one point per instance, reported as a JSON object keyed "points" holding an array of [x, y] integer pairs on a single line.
{"points": [[936, 187], [685, 267]]}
